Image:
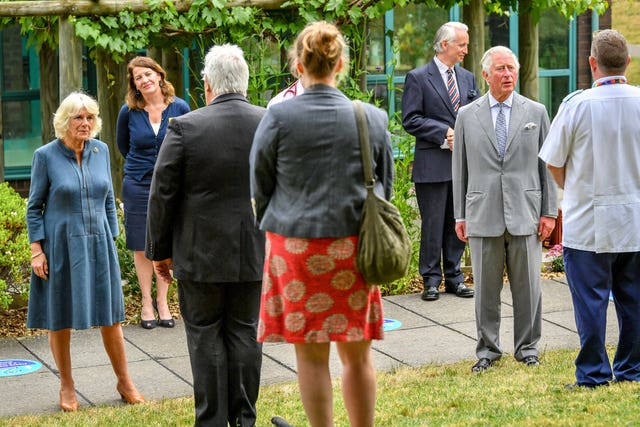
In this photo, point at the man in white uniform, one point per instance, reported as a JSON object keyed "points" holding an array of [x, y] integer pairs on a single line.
{"points": [[593, 152]]}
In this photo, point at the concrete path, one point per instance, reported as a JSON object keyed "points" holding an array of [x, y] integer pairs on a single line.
{"points": [[436, 332]]}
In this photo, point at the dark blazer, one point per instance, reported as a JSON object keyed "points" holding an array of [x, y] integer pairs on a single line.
{"points": [[199, 204], [306, 166], [427, 113]]}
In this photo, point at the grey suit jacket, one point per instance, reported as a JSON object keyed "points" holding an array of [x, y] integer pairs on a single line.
{"points": [[491, 194], [199, 204], [306, 168]]}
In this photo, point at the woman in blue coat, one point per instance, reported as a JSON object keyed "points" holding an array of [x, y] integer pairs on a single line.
{"points": [[72, 223]]}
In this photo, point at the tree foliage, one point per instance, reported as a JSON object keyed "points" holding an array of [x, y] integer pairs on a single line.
{"points": [[535, 7]]}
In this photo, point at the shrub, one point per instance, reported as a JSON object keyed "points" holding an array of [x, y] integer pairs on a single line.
{"points": [[405, 200], [15, 252]]}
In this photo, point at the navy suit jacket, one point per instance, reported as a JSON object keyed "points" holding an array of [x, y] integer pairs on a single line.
{"points": [[427, 113]]}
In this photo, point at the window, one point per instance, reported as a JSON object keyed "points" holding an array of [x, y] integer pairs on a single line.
{"points": [[20, 103]]}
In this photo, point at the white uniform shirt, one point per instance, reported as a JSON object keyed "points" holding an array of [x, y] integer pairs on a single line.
{"points": [[596, 135], [288, 93]]}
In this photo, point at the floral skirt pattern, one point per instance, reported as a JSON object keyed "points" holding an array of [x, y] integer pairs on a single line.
{"points": [[312, 292]]}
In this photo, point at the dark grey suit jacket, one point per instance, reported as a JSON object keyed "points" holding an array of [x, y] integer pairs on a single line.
{"points": [[427, 113], [306, 170], [199, 204]]}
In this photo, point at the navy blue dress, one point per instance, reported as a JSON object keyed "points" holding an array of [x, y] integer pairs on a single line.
{"points": [[72, 212], [139, 145]]}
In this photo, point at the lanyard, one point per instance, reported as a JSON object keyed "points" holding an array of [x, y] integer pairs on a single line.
{"points": [[610, 82]]}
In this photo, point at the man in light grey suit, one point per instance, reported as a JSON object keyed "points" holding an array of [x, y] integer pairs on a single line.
{"points": [[504, 204]]}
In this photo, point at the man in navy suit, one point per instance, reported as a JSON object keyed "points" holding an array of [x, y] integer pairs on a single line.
{"points": [[432, 96]]}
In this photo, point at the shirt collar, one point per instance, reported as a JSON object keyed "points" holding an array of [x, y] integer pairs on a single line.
{"points": [[442, 67], [604, 79], [493, 101]]}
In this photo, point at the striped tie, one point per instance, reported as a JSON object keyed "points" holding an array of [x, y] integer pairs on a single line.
{"points": [[501, 130], [453, 90]]}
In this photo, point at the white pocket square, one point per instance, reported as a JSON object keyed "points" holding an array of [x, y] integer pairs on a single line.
{"points": [[530, 125]]}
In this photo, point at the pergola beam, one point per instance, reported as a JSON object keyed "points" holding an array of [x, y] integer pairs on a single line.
{"points": [[105, 7]]}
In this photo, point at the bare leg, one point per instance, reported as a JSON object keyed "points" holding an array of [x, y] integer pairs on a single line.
{"points": [[60, 343], [113, 340], [144, 271], [358, 382], [162, 288], [314, 381]]}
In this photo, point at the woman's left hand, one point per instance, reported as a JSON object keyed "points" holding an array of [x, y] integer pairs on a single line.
{"points": [[40, 265]]}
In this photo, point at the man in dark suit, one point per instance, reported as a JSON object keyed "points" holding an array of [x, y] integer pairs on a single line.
{"points": [[432, 96], [201, 224]]}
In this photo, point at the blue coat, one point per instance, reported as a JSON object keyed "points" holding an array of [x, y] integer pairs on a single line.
{"points": [[71, 211]]}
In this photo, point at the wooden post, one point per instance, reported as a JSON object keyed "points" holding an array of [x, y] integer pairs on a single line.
{"points": [[172, 64], [112, 88], [49, 90], [70, 48], [474, 18]]}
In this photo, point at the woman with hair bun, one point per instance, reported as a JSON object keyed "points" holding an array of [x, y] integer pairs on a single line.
{"points": [[308, 190]]}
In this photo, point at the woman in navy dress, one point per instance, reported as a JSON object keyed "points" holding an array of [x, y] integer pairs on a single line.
{"points": [[142, 124], [72, 224]]}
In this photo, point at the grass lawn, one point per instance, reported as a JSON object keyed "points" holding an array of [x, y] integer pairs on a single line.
{"points": [[509, 394]]}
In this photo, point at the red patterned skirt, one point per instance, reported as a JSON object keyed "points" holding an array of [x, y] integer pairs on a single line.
{"points": [[312, 292]]}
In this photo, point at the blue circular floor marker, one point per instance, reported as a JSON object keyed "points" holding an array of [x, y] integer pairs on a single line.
{"points": [[11, 367], [391, 324]]}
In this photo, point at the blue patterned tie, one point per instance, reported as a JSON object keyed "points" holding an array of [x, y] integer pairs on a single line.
{"points": [[501, 131], [453, 90]]}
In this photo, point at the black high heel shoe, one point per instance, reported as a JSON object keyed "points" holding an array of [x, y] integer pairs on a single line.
{"points": [[148, 324], [165, 323]]}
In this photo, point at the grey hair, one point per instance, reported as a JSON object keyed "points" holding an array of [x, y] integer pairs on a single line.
{"points": [[226, 70], [72, 105], [487, 58], [447, 32]]}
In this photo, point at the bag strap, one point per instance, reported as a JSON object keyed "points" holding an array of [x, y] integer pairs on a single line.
{"points": [[365, 148]]}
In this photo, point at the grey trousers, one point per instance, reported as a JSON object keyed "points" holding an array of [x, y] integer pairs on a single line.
{"points": [[221, 322], [522, 256]]}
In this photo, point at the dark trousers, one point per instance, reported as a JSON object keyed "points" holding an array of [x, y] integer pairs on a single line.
{"points": [[221, 322], [592, 276], [438, 240]]}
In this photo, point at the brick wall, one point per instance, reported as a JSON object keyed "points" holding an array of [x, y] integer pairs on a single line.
{"points": [[584, 44]]}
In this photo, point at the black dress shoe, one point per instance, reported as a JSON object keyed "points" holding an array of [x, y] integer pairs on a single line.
{"points": [[482, 365], [430, 293], [460, 289], [531, 360]]}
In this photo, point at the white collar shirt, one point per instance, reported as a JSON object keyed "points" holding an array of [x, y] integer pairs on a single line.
{"points": [[495, 108], [596, 137]]}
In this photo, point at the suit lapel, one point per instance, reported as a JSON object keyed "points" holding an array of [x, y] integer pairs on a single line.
{"points": [[483, 114], [435, 79], [464, 86], [518, 115]]}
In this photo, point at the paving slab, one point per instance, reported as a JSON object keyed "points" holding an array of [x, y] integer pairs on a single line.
{"points": [[430, 333]]}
